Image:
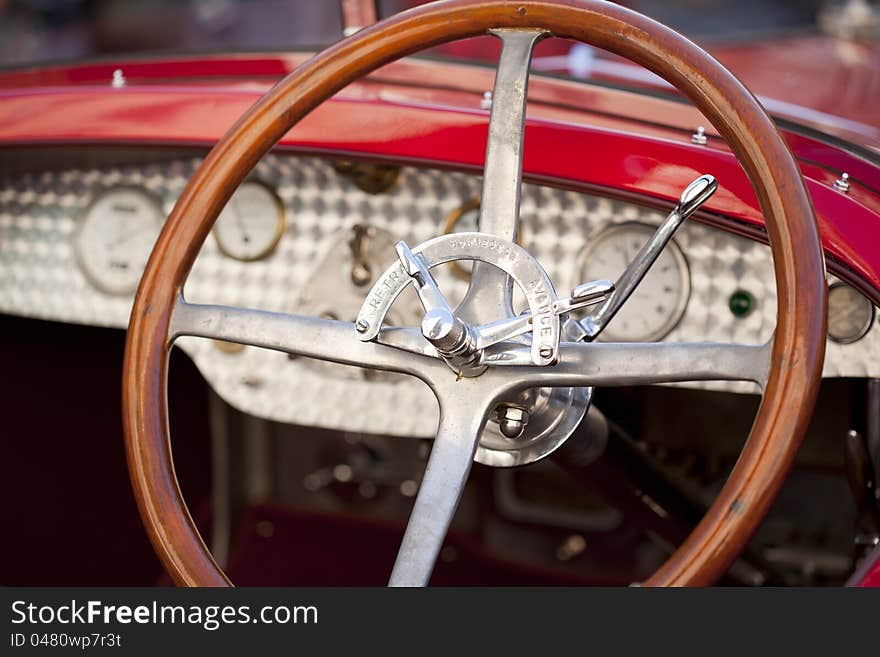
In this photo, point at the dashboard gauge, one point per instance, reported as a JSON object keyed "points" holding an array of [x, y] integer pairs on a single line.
{"points": [[251, 224], [850, 314], [115, 236], [660, 300], [464, 217]]}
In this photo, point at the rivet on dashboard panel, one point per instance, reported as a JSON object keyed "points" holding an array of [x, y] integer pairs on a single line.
{"points": [[842, 183], [118, 81], [699, 137]]}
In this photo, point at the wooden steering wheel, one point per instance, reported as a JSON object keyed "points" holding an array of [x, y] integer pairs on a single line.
{"points": [[789, 369]]}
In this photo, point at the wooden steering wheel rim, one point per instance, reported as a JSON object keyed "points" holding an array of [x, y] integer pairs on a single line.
{"points": [[799, 345]]}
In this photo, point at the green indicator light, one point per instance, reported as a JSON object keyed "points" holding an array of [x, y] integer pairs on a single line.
{"points": [[741, 303]]}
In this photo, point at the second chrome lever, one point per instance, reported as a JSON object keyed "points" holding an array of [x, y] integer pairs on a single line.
{"points": [[693, 196]]}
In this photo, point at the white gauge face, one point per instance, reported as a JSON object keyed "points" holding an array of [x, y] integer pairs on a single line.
{"points": [[251, 224], [659, 302], [115, 237], [850, 314]]}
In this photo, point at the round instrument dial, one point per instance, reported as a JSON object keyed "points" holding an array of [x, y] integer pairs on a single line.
{"points": [[115, 236], [850, 314], [251, 224], [659, 302]]}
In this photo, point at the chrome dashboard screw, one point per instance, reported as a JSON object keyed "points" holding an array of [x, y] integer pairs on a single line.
{"points": [[118, 81], [362, 326], [842, 183], [699, 137]]}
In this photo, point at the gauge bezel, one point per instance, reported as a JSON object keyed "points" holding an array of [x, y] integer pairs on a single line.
{"points": [[280, 224], [684, 271], [83, 216], [863, 331]]}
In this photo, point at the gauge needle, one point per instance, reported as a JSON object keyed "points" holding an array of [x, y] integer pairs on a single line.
{"points": [[239, 221], [126, 237]]}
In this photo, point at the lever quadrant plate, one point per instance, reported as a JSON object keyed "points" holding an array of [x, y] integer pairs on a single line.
{"points": [[503, 254]]}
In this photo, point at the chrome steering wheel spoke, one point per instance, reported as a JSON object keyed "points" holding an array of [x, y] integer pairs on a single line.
{"points": [[584, 364], [489, 295], [693, 196], [463, 412], [312, 337]]}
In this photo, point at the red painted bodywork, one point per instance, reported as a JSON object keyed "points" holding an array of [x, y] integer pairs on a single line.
{"points": [[872, 576], [387, 120], [831, 84], [579, 136]]}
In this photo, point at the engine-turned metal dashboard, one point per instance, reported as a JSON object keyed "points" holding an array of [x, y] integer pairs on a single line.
{"points": [[308, 236]]}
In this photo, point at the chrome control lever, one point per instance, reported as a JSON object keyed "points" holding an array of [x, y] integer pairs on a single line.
{"points": [[460, 343], [586, 294], [429, 293], [693, 196], [452, 338]]}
